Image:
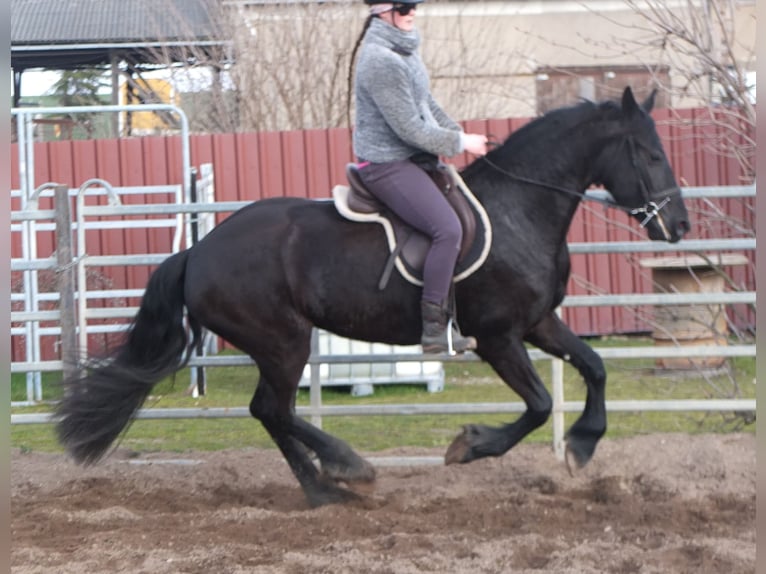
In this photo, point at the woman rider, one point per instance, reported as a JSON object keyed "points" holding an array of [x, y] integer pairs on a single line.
{"points": [[399, 127]]}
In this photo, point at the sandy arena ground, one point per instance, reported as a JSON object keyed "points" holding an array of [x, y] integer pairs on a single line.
{"points": [[661, 504]]}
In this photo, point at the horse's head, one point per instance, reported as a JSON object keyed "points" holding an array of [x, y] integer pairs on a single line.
{"points": [[635, 169]]}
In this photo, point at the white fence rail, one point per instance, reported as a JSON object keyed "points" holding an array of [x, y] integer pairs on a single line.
{"points": [[316, 410]]}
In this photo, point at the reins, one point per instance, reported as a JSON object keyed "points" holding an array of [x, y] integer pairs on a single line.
{"points": [[552, 186], [651, 208]]}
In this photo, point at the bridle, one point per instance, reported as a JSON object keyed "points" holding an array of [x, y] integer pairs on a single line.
{"points": [[651, 208], [653, 202]]}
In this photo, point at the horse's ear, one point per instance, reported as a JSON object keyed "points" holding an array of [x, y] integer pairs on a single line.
{"points": [[648, 104], [629, 104]]}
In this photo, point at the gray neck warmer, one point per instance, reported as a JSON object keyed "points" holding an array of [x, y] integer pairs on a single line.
{"points": [[391, 37]]}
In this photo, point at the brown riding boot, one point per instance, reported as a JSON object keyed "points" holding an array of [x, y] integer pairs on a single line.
{"points": [[440, 334]]}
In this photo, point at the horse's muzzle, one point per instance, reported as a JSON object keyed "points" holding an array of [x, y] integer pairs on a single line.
{"points": [[666, 227]]}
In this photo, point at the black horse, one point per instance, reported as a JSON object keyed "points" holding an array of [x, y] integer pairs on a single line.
{"points": [[276, 268]]}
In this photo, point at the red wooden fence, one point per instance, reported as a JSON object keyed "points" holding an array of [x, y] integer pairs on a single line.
{"points": [[253, 166]]}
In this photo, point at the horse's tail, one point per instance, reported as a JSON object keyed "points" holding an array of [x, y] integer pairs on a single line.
{"points": [[97, 406]]}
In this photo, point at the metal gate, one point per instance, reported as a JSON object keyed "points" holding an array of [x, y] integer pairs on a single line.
{"points": [[29, 198]]}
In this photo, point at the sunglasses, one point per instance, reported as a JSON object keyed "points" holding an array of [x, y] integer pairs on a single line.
{"points": [[404, 9]]}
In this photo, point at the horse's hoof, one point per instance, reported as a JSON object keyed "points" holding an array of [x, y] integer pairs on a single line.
{"points": [[581, 451], [360, 479], [459, 452], [364, 472], [330, 493], [567, 451], [362, 488]]}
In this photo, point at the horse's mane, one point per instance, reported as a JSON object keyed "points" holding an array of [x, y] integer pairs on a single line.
{"points": [[533, 136]]}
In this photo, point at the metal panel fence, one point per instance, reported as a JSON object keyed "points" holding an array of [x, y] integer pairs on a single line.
{"points": [[30, 236], [252, 166], [316, 410]]}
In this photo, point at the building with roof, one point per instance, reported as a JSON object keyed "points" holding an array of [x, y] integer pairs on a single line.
{"points": [[486, 58], [124, 36]]}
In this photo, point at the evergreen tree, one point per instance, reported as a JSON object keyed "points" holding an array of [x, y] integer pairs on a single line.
{"points": [[80, 87]]}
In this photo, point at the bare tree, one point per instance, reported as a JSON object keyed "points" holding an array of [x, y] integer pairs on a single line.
{"points": [[288, 63], [291, 64], [710, 47], [284, 67]]}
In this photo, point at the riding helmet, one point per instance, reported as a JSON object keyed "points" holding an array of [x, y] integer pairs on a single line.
{"points": [[371, 2]]}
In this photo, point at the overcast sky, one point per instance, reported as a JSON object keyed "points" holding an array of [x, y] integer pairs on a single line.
{"points": [[37, 82]]}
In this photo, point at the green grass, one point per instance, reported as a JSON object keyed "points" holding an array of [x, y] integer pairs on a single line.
{"points": [[464, 382]]}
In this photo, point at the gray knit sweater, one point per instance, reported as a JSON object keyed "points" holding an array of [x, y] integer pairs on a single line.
{"points": [[396, 116]]}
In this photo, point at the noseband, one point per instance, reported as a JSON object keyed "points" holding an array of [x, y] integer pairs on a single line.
{"points": [[651, 207]]}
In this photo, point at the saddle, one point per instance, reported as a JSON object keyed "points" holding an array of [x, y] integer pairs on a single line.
{"points": [[408, 247]]}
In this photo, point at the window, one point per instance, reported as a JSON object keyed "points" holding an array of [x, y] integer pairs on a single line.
{"points": [[556, 87]]}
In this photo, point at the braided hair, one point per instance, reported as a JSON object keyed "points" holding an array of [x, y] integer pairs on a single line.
{"points": [[350, 78]]}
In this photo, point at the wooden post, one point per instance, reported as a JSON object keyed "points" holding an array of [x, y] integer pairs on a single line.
{"points": [[114, 61], [65, 283]]}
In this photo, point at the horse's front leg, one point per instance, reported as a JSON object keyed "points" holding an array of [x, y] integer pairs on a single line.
{"points": [[555, 338], [509, 358]]}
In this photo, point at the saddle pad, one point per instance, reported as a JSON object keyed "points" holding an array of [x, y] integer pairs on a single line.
{"points": [[409, 262]]}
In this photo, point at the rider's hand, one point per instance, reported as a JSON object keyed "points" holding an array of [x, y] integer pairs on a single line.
{"points": [[475, 144]]}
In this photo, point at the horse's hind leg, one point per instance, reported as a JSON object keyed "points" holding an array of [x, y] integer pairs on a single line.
{"points": [[273, 405], [274, 408], [555, 338], [339, 461]]}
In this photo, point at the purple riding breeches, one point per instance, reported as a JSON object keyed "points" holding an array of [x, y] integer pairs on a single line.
{"points": [[409, 192]]}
